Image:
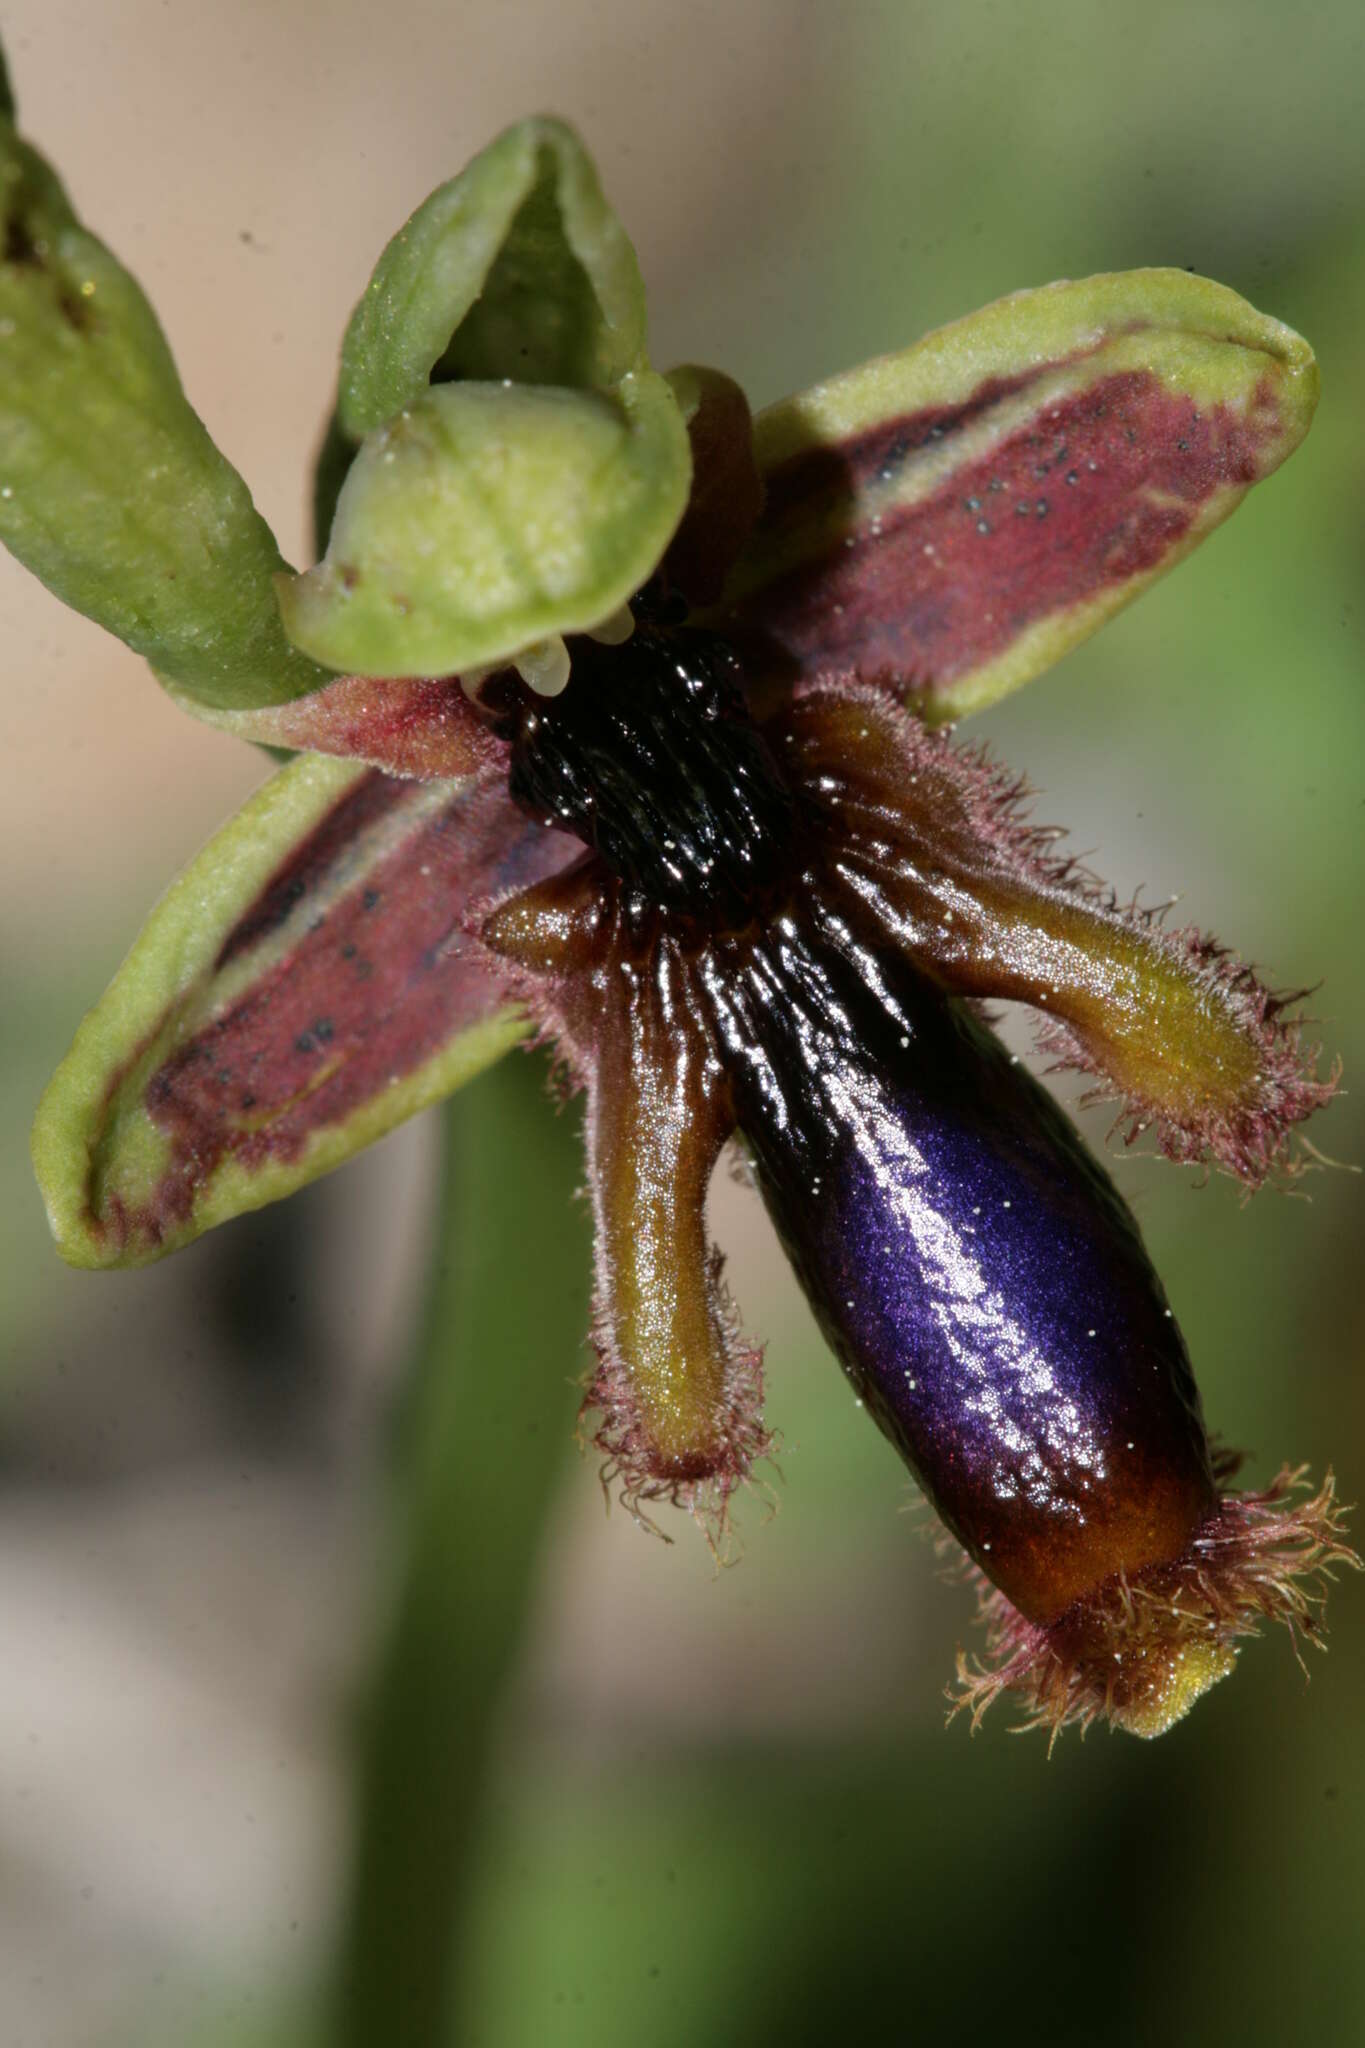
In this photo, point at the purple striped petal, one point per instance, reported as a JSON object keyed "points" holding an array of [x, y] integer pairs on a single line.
{"points": [[304, 986], [952, 520]]}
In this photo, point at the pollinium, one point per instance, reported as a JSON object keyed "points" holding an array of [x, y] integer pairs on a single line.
{"points": [[773, 933]]}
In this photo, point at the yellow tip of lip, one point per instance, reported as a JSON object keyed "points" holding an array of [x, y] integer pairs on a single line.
{"points": [[1156, 1697]]}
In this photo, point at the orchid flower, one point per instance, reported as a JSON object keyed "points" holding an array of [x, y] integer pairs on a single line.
{"points": [[622, 719]]}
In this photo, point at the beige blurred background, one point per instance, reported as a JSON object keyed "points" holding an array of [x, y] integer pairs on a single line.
{"points": [[729, 1803]]}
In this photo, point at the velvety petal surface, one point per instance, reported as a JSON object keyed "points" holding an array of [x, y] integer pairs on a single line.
{"points": [[111, 490], [422, 726], [951, 520], [304, 986], [929, 839]]}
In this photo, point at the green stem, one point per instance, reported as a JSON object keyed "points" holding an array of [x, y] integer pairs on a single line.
{"points": [[491, 1413]]}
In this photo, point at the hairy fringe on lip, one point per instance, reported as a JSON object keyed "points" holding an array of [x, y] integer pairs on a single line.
{"points": [[1252, 1141], [981, 829], [1139, 1651], [631, 1469]]}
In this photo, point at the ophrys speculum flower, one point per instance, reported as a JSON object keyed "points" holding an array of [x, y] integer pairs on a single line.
{"points": [[634, 723]]}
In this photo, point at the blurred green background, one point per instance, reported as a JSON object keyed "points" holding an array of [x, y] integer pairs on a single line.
{"points": [[607, 1793]]}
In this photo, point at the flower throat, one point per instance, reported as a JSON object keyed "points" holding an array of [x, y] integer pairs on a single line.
{"points": [[650, 757]]}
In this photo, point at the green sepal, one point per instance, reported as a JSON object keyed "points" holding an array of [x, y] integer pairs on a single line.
{"points": [[522, 467], [111, 490], [516, 268], [331, 467], [484, 517], [951, 520]]}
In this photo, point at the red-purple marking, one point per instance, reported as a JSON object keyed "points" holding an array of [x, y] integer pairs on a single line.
{"points": [[422, 726], [1060, 511], [819, 477], [376, 985], [308, 866]]}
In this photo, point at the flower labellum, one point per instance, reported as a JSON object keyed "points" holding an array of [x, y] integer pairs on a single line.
{"points": [[990, 1298], [974, 1268], [614, 713]]}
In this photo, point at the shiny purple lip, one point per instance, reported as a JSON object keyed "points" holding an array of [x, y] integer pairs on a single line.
{"points": [[768, 944]]}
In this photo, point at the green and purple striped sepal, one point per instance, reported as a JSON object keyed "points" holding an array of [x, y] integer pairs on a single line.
{"points": [[951, 520]]}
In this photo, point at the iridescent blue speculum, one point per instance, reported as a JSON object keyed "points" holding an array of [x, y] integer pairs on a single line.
{"points": [[987, 1294], [781, 921]]}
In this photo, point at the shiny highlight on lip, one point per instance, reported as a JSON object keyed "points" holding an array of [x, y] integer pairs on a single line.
{"points": [[973, 1268], [798, 981], [1142, 1648]]}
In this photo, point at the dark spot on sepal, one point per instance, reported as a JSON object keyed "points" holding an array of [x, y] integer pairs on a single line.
{"points": [[924, 592], [20, 248], [22, 251]]}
